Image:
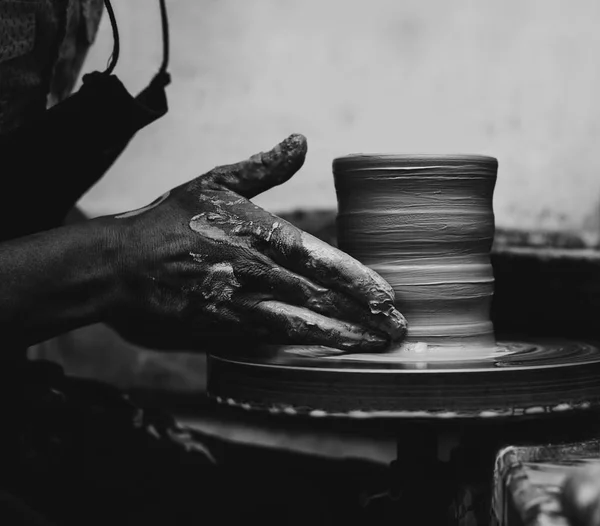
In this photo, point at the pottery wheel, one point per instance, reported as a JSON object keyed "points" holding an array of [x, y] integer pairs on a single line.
{"points": [[425, 223], [513, 379]]}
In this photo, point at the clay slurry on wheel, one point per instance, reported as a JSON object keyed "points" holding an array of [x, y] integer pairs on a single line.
{"points": [[426, 224]]}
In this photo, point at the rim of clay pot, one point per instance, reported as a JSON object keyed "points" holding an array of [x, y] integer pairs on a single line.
{"points": [[373, 161]]}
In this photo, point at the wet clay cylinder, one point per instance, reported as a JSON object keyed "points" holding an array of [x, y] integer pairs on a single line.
{"points": [[426, 224]]}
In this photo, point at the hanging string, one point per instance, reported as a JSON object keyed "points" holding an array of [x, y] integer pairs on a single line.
{"points": [[165, 36], [114, 57], [164, 19]]}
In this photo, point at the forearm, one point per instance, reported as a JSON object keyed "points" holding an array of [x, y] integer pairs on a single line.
{"points": [[56, 281]]}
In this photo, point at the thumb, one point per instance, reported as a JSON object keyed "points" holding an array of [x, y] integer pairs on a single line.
{"points": [[263, 170]]}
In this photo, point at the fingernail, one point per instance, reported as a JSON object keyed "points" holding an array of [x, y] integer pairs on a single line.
{"points": [[399, 325], [376, 341], [290, 150], [294, 142]]}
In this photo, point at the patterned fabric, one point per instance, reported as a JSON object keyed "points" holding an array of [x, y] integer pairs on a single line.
{"points": [[83, 19], [42, 47]]}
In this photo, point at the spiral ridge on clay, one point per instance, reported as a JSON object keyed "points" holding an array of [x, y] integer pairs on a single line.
{"points": [[426, 224]]}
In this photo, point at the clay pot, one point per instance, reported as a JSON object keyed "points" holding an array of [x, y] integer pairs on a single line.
{"points": [[426, 224]]}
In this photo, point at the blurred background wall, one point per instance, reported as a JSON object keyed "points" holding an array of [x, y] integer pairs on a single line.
{"points": [[517, 79]]}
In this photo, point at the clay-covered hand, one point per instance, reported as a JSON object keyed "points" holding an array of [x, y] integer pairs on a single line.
{"points": [[581, 496], [203, 267]]}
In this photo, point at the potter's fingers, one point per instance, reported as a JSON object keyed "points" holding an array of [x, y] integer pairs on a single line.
{"points": [[288, 287], [292, 325], [319, 261], [581, 496], [263, 170]]}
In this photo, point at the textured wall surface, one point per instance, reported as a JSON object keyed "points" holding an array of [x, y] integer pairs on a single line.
{"points": [[518, 79]]}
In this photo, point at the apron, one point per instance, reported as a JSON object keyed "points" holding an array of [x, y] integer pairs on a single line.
{"points": [[59, 156]]}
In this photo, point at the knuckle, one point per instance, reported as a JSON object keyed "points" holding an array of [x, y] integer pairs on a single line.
{"points": [[323, 300], [259, 160], [215, 177], [388, 291]]}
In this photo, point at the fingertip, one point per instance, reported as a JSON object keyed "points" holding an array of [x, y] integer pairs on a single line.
{"points": [[284, 159], [386, 316], [363, 342], [399, 325], [294, 147], [375, 343], [297, 141]]}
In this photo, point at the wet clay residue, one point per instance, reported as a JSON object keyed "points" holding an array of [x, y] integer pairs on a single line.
{"points": [[288, 285]]}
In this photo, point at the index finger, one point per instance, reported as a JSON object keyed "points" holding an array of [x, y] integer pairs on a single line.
{"points": [[310, 257], [336, 269]]}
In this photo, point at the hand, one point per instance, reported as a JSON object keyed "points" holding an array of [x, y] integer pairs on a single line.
{"points": [[581, 496], [203, 267]]}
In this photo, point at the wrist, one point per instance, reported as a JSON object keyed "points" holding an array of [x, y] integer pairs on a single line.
{"points": [[105, 238], [56, 281]]}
